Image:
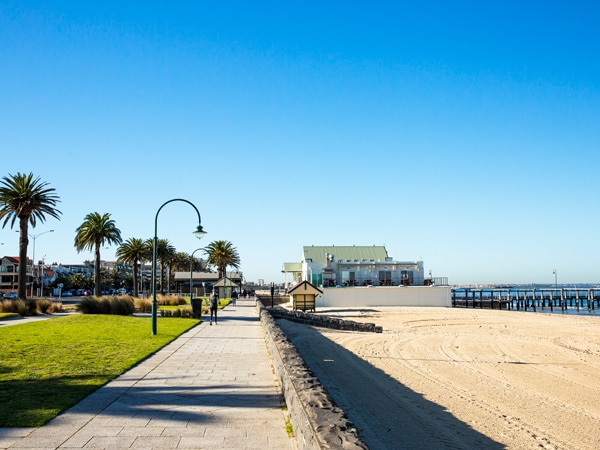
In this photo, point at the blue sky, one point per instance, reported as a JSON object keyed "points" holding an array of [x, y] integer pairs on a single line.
{"points": [[462, 133]]}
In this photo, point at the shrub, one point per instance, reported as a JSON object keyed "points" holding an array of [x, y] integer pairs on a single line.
{"points": [[143, 305], [94, 305], [122, 306], [171, 300], [44, 306], [21, 307], [118, 305], [179, 312], [30, 307], [56, 307], [7, 306]]}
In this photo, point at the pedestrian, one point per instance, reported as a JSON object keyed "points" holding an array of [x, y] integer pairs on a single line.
{"points": [[214, 303], [234, 297]]}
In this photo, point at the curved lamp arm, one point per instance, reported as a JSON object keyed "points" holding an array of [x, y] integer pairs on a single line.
{"points": [[199, 233]]}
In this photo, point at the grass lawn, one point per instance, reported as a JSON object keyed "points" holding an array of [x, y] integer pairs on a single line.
{"points": [[6, 316], [50, 365]]}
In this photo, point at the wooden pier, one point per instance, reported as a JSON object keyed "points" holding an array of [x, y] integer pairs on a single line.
{"points": [[529, 299]]}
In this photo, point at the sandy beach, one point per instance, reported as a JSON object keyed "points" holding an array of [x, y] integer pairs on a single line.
{"points": [[462, 378]]}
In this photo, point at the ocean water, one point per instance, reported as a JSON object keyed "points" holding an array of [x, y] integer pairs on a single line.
{"points": [[529, 292]]}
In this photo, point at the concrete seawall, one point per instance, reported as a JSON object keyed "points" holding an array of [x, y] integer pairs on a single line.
{"points": [[317, 421]]}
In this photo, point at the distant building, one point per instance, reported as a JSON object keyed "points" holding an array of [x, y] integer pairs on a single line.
{"points": [[330, 266], [9, 273], [203, 282]]}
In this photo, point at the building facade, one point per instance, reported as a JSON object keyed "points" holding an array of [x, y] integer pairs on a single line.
{"points": [[9, 273], [341, 266]]}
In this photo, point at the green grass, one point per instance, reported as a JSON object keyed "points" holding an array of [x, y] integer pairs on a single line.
{"points": [[173, 308], [50, 365], [4, 316]]}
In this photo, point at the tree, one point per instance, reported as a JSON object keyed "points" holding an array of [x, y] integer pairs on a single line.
{"points": [[95, 231], [28, 199], [134, 251], [221, 254], [164, 253], [77, 281]]}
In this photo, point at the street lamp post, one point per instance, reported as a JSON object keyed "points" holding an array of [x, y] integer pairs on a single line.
{"points": [[199, 233], [33, 265], [191, 273]]}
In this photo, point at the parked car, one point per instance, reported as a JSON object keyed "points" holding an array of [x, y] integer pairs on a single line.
{"points": [[67, 294], [10, 295]]}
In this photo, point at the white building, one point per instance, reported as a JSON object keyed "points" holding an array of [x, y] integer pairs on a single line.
{"points": [[330, 266]]}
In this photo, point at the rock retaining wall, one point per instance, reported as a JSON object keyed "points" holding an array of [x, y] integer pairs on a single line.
{"points": [[323, 321], [317, 421]]}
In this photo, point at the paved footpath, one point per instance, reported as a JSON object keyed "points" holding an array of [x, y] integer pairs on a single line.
{"points": [[213, 387]]}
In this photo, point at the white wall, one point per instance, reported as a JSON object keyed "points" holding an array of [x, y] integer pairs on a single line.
{"points": [[385, 296]]}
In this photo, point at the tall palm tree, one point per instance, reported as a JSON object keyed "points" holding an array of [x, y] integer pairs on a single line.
{"points": [[181, 261], [164, 253], [95, 231], [221, 254], [28, 199], [134, 251]]}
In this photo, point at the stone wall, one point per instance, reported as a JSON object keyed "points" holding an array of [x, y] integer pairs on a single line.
{"points": [[318, 320], [317, 421]]}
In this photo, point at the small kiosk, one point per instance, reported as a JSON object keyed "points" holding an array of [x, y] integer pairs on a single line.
{"points": [[225, 287], [303, 296]]}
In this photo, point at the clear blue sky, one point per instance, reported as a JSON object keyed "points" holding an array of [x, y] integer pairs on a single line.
{"points": [[462, 133]]}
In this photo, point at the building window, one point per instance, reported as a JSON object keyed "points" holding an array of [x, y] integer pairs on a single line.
{"points": [[385, 278], [348, 278]]}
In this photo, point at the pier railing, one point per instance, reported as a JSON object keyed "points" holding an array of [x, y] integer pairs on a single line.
{"points": [[527, 298]]}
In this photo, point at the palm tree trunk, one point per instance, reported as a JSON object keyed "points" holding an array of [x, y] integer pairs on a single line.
{"points": [[23, 242], [162, 277], [97, 272], [169, 279], [135, 279]]}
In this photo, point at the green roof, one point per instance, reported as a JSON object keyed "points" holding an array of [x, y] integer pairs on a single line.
{"points": [[292, 267], [317, 253]]}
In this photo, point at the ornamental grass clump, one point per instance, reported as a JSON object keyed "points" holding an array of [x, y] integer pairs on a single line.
{"points": [[93, 305], [30, 307], [143, 305], [26, 307], [186, 313], [43, 306], [122, 306], [171, 300], [47, 307], [7, 306]]}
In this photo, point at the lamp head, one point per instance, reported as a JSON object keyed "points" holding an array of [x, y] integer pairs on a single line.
{"points": [[199, 233]]}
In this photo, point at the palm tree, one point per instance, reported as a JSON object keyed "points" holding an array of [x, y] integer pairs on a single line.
{"points": [[95, 231], [181, 261], [222, 254], [164, 253], [29, 200], [134, 251]]}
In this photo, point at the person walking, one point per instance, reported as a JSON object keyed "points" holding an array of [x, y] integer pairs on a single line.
{"points": [[214, 303], [234, 298]]}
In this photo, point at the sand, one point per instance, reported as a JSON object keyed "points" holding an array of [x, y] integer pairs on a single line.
{"points": [[462, 378]]}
